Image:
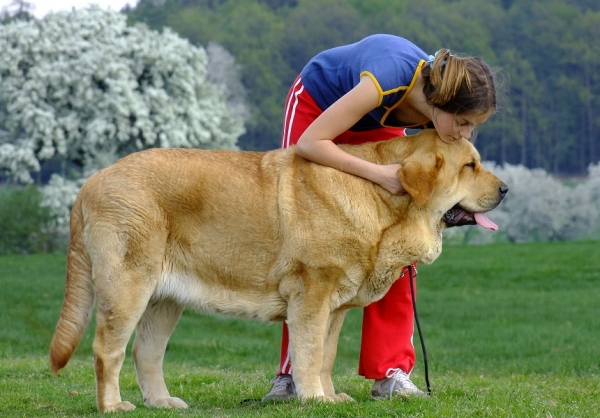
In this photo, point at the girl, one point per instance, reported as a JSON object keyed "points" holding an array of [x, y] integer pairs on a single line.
{"points": [[371, 91]]}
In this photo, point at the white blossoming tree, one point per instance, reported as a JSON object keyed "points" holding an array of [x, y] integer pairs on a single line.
{"points": [[86, 88], [591, 190]]}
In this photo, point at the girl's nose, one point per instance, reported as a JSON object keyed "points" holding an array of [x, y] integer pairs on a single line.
{"points": [[466, 131]]}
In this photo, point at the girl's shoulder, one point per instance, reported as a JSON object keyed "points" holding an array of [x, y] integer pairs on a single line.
{"points": [[388, 46], [393, 61]]}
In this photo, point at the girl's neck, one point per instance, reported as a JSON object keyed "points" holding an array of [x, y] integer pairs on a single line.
{"points": [[416, 99], [415, 109]]}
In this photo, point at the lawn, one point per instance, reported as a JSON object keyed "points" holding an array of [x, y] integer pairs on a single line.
{"points": [[511, 331]]}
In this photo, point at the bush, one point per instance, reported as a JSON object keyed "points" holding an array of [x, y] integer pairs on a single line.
{"points": [[24, 222]]}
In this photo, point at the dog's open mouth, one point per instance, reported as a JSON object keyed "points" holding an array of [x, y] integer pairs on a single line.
{"points": [[457, 216]]}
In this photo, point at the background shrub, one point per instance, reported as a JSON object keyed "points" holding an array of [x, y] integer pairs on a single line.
{"points": [[24, 222]]}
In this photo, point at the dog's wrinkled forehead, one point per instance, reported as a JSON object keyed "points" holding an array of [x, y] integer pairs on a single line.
{"points": [[461, 152]]}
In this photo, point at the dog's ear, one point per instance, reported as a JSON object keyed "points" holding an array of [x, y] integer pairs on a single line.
{"points": [[418, 176]]}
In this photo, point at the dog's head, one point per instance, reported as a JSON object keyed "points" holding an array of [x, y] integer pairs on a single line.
{"points": [[449, 182]]}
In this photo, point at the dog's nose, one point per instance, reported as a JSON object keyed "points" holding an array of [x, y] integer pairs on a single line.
{"points": [[502, 190]]}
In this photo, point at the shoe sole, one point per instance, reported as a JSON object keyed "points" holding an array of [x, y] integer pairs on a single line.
{"points": [[403, 395], [280, 398]]}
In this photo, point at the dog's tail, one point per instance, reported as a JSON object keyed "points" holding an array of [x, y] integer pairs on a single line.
{"points": [[79, 296]]}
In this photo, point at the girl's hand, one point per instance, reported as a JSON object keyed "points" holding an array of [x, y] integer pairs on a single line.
{"points": [[388, 179]]}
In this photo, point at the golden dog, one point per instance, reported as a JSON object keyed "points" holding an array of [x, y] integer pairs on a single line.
{"points": [[269, 236]]}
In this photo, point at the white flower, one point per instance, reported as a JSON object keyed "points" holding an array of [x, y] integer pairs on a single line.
{"points": [[83, 84]]}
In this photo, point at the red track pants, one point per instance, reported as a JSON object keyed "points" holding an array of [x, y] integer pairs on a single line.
{"points": [[388, 324]]}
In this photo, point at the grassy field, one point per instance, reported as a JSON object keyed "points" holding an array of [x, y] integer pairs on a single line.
{"points": [[511, 331]]}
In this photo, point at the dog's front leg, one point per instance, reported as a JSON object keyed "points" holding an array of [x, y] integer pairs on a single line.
{"points": [[307, 322], [332, 334]]}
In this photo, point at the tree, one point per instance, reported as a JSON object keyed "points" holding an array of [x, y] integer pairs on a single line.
{"points": [[17, 10], [524, 95], [316, 25], [85, 87], [581, 52], [253, 33]]}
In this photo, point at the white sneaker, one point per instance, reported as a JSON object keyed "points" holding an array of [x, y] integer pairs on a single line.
{"points": [[283, 389], [397, 383]]}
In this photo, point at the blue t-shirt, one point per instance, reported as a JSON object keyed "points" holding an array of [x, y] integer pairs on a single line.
{"points": [[393, 63]]}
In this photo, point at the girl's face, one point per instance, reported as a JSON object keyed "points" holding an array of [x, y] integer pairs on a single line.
{"points": [[452, 127]]}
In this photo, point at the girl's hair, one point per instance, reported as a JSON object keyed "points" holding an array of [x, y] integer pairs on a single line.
{"points": [[459, 85]]}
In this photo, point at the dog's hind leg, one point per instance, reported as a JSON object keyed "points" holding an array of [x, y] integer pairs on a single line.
{"points": [[152, 334], [126, 270], [119, 310]]}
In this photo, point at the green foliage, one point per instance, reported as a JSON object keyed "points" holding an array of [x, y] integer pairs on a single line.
{"points": [[326, 23], [23, 221], [545, 54], [511, 331], [254, 37]]}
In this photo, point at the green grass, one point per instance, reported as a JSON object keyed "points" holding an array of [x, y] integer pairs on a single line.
{"points": [[511, 331]]}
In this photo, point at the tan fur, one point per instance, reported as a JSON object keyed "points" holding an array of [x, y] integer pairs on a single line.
{"points": [[268, 236]]}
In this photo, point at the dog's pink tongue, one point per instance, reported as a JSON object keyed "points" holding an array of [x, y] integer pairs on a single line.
{"points": [[484, 221]]}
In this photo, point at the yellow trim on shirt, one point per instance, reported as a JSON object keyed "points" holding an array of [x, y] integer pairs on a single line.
{"points": [[408, 89], [384, 93]]}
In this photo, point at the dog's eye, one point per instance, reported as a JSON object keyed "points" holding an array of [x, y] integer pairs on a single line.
{"points": [[471, 165]]}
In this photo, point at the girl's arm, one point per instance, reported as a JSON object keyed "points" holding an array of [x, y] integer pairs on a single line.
{"points": [[316, 143]]}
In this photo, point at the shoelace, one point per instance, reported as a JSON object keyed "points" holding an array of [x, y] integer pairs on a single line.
{"points": [[282, 383], [399, 375]]}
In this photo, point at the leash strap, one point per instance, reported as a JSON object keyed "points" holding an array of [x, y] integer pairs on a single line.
{"points": [[412, 294]]}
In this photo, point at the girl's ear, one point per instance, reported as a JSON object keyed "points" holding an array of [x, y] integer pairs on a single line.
{"points": [[418, 175]]}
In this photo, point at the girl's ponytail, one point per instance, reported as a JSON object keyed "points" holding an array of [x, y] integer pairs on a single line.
{"points": [[458, 85]]}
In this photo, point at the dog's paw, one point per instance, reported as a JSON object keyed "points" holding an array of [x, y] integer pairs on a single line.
{"points": [[118, 407], [170, 402], [338, 397], [342, 397]]}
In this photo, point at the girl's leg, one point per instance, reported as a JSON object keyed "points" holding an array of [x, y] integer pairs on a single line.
{"points": [[387, 332], [387, 352], [285, 361]]}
